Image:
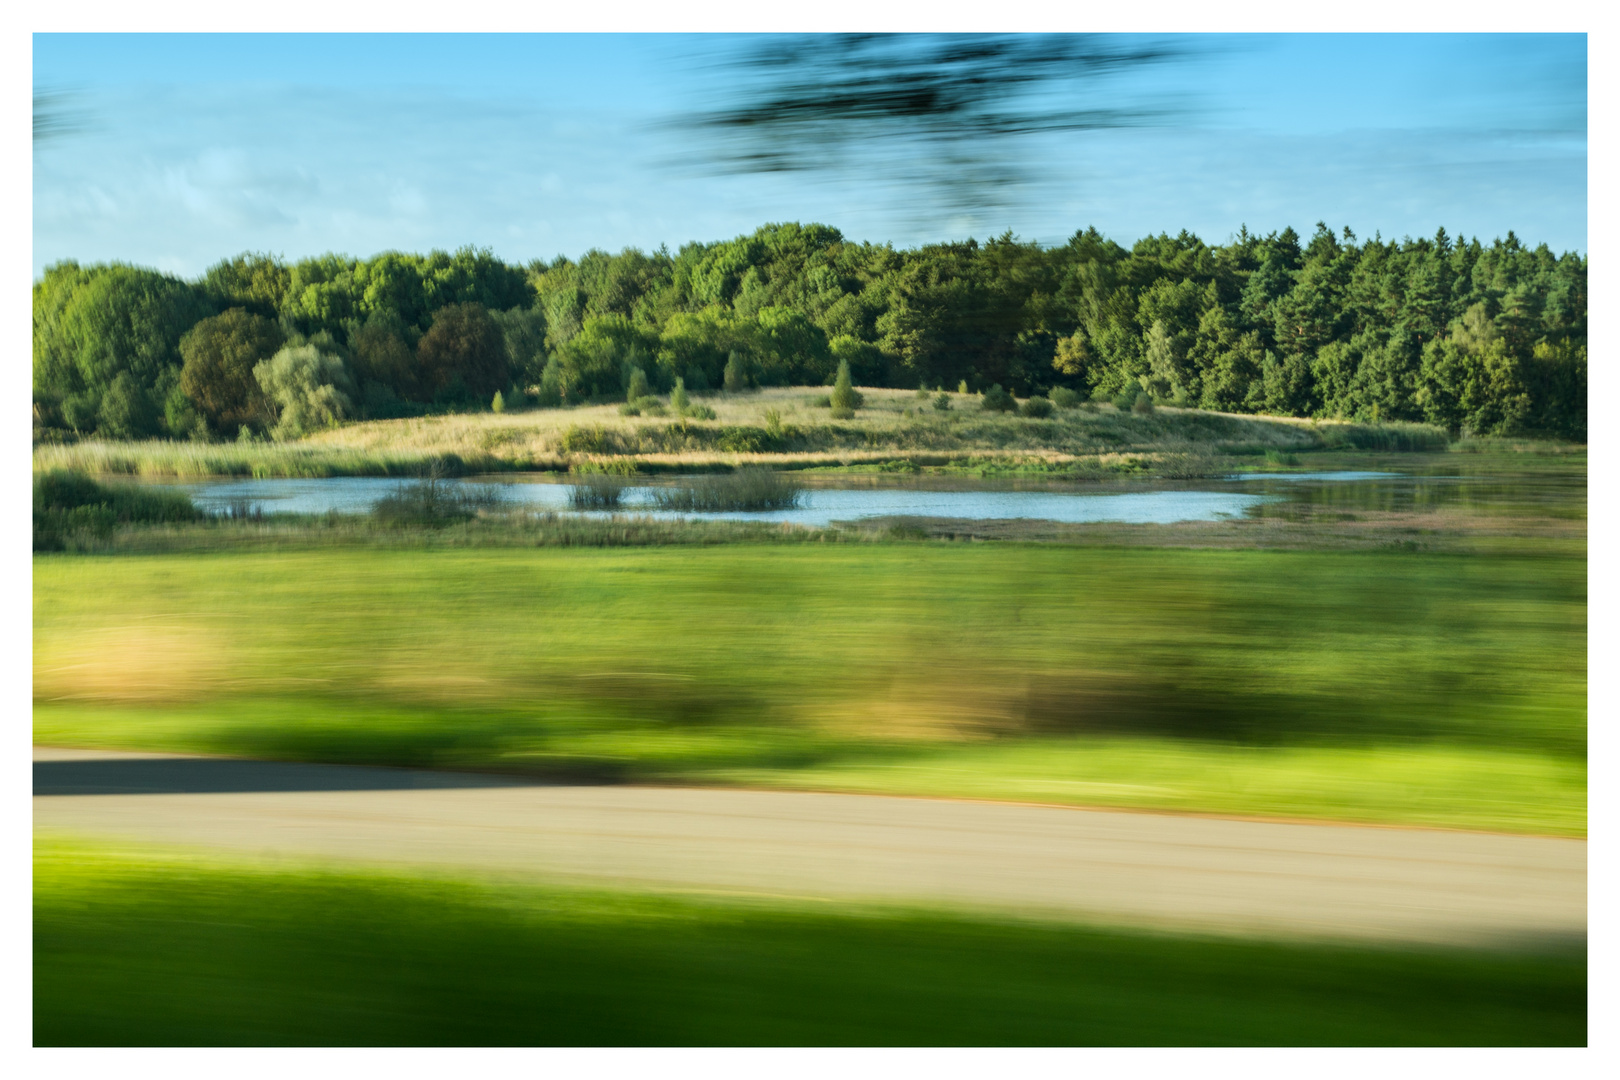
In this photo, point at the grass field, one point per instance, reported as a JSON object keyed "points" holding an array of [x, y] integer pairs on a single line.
{"points": [[164, 948], [1382, 686], [895, 426]]}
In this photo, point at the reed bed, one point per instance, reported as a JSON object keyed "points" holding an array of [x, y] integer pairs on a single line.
{"points": [[748, 489], [597, 491]]}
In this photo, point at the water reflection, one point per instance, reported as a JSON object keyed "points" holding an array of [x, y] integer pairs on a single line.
{"points": [[831, 498], [821, 505]]}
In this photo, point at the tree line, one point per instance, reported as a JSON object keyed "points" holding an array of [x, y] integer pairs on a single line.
{"points": [[1487, 338]]}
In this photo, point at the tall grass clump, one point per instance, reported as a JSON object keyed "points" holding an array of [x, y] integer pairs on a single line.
{"points": [[745, 489], [597, 491], [1192, 461], [72, 510], [1400, 437], [435, 501]]}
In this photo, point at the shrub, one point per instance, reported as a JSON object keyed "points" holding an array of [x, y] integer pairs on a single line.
{"points": [[1064, 398], [629, 408], [1187, 461], [1036, 407], [1281, 457], [700, 412], [962, 387], [597, 491], [638, 387], [434, 501], [70, 508], [650, 406], [824, 401], [844, 397], [997, 400], [743, 490], [588, 440], [942, 403], [499, 403], [1143, 405], [678, 399], [736, 374], [745, 440]]}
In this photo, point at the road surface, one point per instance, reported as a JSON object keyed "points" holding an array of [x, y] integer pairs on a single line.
{"points": [[1275, 878]]}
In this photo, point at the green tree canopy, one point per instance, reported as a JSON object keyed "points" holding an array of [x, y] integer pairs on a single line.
{"points": [[220, 353]]}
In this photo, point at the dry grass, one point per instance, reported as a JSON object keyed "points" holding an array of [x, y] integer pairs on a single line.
{"points": [[895, 425]]}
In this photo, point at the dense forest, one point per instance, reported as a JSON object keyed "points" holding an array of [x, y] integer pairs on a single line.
{"points": [[1479, 338]]}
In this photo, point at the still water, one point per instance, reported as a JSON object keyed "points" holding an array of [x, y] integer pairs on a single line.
{"points": [[819, 505], [830, 498]]}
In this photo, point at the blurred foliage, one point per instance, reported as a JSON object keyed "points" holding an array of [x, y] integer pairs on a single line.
{"points": [[164, 950], [72, 510], [669, 662]]}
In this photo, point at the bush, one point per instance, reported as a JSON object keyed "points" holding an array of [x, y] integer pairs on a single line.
{"points": [[1187, 461], [745, 440], [942, 403], [678, 399], [629, 408], [1064, 398], [736, 374], [1281, 457], [1143, 405], [588, 440], [700, 412], [499, 403], [844, 399], [824, 401], [743, 490], [1037, 407], [997, 400], [597, 491], [962, 387], [434, 501], [70, 508], [638, 387]]}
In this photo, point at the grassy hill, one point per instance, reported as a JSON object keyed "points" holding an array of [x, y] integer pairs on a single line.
{"points": [[785, 428]]}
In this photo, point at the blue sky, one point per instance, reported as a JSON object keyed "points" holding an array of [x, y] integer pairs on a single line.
{"points": [[196, 147]]}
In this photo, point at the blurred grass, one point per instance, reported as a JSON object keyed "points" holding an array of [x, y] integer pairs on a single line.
{"points": [[163, 949], [1191, 679]]}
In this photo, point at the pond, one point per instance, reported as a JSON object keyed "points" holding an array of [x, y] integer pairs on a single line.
{"points": [[819, 506], [851, 497]]}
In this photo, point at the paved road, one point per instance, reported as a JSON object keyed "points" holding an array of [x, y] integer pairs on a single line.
{"points": [[1153, 869]]}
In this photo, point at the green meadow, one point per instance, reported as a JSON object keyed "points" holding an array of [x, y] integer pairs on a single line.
{"points": [[1386, 685], [159, 948]]}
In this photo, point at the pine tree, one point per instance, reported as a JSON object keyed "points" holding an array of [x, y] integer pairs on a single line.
{"points": [[845, 398]]}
